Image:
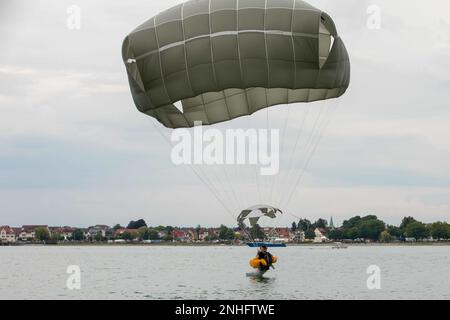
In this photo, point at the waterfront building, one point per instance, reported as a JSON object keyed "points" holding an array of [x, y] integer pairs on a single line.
{"points": [[7, 235]]}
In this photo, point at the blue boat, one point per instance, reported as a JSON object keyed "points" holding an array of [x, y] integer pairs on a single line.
{"points": [[267, 244]]}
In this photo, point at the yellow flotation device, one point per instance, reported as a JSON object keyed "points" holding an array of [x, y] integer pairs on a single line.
{"points": [[256, 263]]}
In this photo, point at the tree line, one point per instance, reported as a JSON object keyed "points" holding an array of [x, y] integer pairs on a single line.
{"points": [[370, 227]]}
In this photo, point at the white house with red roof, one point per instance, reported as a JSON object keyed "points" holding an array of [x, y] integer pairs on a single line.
{"points": [[179, 235], [284, 234], [183, 235], [7, 234]]}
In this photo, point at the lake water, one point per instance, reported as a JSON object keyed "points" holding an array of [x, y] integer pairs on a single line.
{"points": [[219, 272]]}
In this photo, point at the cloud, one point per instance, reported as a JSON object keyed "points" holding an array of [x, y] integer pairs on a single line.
{"points": [[389, 203], [68, 106]]}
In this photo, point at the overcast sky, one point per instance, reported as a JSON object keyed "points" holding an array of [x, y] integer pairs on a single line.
{"points": [[75, 151]]}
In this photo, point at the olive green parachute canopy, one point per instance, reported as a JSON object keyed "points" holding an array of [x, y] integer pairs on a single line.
{"points": [[216, 60], [253, 214]]}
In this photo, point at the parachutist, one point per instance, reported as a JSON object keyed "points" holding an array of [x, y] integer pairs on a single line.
{"points": [[267, 256]]}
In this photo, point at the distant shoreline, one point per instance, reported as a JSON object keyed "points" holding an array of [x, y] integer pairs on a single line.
{"points": [[180, 244]]}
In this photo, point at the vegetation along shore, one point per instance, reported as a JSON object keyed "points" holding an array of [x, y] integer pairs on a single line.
{"points": [[355, 231]]}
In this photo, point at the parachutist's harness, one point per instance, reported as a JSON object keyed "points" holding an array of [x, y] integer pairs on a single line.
{"points": [[268, 258]]}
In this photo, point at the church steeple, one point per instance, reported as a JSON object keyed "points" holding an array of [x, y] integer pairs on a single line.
{"points": [[331, 224]]}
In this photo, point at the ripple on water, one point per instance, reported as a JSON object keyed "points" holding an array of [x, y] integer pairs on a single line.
{"points": [[302, 273]]}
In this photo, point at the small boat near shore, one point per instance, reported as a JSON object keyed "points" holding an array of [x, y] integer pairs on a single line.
{"points": [[267, 244]]}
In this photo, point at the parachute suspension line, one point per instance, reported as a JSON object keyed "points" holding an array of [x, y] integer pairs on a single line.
{"points": [[219, 183], [299, 132], [204, 180], [257, 176], [267, 178], [249, 177], [214, 191], [231, 191], [239, 172], [283, 136], [251, 192], [291, 173], [209, 174], [223, 179], [225, 169], [328, 116], [209, 178], [233, 188], [249, 234], [274, 124], [232, 172], [304, 151]]}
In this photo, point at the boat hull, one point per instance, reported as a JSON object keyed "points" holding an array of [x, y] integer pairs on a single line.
{"points": [[266, 244]]}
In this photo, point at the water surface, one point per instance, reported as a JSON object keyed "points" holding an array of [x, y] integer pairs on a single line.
{"points": [[219, 272]]}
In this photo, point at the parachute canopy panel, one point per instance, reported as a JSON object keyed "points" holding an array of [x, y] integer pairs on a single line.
{"points": [[253, 214], [225, 59]]}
